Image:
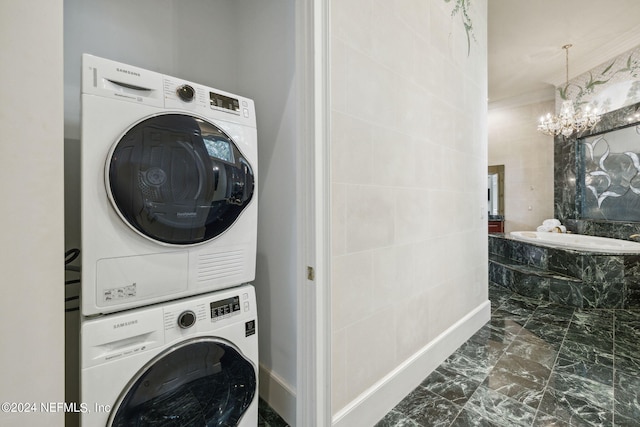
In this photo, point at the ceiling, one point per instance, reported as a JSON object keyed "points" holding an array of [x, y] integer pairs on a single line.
{"points": [[525, 39]]}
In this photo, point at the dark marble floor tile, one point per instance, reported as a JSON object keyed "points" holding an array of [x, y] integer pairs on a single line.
{"points": [[532, 347], [550, 334], [534, 364], [495, 305], [267, 417], [450, 385], [628, 316], [518, 388], [505, 319], [545, 420], [427, 408], [627, 346], [494, 333], [500, 409], [593, 322], [579, 398], [627, 365], [554, 313], [627, 330], [396, 419], [584, 351], [526, 369], [469, 418], [622, 421], [582, 368], [600, 318], [574, 410], [599, 338], [627, 334], [473, 360], [627, 395]]}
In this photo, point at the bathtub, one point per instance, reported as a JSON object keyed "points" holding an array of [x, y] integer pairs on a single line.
{"points": [[578, 242]]}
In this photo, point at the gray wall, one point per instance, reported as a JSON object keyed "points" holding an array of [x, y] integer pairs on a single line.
{"points": [[245, 47]]}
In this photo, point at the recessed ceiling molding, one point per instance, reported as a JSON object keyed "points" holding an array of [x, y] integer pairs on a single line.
{"points": [[534, 97], [596, 58], [524, 40]]}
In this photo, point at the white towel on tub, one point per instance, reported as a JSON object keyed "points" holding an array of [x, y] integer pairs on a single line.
{"points": [[550, 223], [554, 229]]}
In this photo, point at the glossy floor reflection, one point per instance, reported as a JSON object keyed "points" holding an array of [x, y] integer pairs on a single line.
{"points": [[534, 364]]}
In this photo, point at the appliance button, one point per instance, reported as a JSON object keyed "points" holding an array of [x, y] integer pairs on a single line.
{"points": [[246, 306], [246, 112], [185, 92], [186, 319]]}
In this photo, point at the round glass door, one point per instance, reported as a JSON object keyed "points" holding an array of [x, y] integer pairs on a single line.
{"points": [[205, 382], [178, 179]]}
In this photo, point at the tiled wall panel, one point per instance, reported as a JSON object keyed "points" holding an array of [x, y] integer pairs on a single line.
{"points": [[408, 165]]}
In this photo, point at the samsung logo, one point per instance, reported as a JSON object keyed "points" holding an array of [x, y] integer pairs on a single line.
{"points": [[122, 70], [123, 324]]}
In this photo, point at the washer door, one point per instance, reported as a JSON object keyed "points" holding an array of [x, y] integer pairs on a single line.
{"points": [[203, 382], [178, 179]]}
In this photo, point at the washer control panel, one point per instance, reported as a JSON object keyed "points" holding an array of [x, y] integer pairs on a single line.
{"points": [[204, 313], [224, 308]]}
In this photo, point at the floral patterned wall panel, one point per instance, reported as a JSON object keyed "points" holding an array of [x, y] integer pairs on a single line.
{"points": [[611, 186], [612, 85]]}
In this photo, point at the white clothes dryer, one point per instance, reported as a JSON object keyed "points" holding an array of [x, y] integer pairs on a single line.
{"points": [[190, 362], [168, 187]]}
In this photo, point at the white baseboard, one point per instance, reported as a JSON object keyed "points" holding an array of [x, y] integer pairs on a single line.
{"points": [[280, 395], [368, 408]]}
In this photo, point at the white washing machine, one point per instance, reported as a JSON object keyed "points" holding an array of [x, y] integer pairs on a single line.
{"points": [[190, 362], [168, 187]]}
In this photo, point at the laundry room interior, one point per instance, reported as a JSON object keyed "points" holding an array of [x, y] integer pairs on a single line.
{"points": [[246, 48]]}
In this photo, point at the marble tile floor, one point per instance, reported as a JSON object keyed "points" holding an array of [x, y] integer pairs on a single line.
{"points": [[534, 364], [267, 417]]}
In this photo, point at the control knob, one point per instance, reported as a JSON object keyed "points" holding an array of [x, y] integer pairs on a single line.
{"points": [[185, 92], [186, 319]]}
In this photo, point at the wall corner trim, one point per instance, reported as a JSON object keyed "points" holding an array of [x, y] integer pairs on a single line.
{"points": [[368, 408], [280, 395]]}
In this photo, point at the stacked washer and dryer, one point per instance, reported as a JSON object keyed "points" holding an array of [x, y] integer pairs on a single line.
{"points": [[168, 332]]}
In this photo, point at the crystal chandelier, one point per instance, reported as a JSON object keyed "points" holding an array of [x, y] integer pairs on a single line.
{"points": [[568, 121]]}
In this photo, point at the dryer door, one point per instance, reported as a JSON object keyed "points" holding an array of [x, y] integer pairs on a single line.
{"points": [[178, 179], [202, 382]]}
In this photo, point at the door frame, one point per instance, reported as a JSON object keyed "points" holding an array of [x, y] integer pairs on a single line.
{"points": [[313, 388]]}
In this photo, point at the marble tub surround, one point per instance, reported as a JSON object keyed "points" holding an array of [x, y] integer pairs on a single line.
{"points": [[574, 278], [614, 229], [571, 159], [534, 364]]}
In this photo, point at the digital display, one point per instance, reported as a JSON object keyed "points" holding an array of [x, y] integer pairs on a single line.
{"points": [[226, 102], [224, 307]]}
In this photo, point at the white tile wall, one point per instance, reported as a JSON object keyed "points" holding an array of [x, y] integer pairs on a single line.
{"points": [[408, 145]]}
